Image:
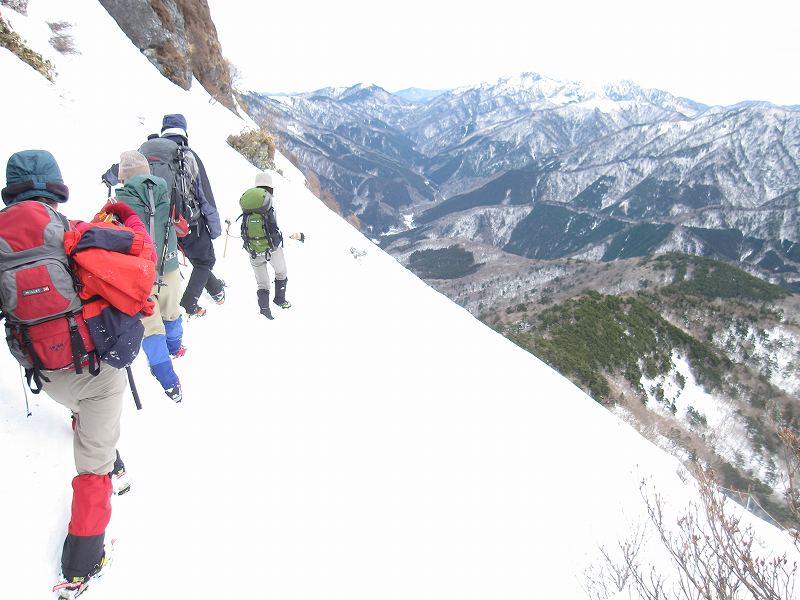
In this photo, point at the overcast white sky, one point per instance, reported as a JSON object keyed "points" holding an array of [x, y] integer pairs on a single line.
{"points": [[713, 51]]}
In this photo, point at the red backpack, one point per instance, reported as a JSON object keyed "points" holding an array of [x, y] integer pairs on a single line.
{"points": [[112, 262], [53, 320]]}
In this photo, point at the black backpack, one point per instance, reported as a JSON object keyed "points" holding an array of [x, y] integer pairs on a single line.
{"points": [[175, 164]]}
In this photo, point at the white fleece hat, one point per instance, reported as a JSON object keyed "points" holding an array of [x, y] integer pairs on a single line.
{"points": [[264, 179]]}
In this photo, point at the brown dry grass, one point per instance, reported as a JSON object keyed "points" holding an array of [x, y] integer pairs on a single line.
{"points": [[12, 41], [331, 202], [164, 15], [174, 64], [256, 145]]}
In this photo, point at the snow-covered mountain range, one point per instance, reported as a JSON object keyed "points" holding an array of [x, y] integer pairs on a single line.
{"points": [[617, 163]]}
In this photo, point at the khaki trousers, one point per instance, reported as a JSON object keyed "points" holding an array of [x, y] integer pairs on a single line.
{"points": [[167, 304], [259, 264], [97, 404]]}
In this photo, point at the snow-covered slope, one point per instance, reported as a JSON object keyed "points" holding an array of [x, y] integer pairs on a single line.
{"points": [[375, 441]]}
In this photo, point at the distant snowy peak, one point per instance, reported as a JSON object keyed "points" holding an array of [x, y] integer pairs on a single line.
{"points": [[537, 89], [527, 87], [418, 95], [366, 92], [627, 90], [344, 93], [326, 92]]}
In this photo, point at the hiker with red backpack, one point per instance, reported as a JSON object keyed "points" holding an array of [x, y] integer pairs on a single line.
{"points": [[147, 195], [74, 341], [170, 157]]}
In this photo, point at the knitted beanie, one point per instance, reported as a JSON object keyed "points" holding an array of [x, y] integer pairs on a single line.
{"points": [[132, 163], [174, 125], [33, 174]]}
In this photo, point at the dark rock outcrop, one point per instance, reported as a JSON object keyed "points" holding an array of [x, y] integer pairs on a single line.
{"points": [[179, 38]]}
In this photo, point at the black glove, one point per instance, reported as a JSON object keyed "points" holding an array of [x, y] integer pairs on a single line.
{"points": [[111, 177]]}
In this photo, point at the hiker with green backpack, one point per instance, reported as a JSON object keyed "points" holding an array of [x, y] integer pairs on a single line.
{"points": [[149, 197], [263, 240]]}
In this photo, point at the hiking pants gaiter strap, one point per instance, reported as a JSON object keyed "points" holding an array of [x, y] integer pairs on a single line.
{"points": [[91, 512]]}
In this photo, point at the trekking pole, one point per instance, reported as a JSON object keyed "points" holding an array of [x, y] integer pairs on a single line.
{"points": [[227, 228], [25, 392], [132, 383]]}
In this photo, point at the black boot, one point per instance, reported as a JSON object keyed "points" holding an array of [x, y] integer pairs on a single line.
{"points": [[280, 293], [263, 303], [189, 304]]}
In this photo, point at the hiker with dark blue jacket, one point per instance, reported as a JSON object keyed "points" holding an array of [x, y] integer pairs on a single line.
{"points": [[197, 245]]}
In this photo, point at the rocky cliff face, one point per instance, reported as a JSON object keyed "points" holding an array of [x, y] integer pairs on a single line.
{"points": [[179, 38]]}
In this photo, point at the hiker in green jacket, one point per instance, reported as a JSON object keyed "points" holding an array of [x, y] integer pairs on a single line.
{"points": [[163, 331]]}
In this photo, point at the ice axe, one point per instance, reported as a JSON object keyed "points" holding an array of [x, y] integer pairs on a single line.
{"points": [[227, 227]]}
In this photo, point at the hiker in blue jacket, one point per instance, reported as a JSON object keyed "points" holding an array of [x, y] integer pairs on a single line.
{"points": [[197, 245]]}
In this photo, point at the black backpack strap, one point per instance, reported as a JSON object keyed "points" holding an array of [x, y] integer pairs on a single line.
{"points": [[33, 373], [151, 210], [79, 350], [151, 207], [76, 341], [35, 376], [94, 363]]}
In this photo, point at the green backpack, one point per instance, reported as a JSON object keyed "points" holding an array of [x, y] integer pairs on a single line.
{"points": [[260, 232]]}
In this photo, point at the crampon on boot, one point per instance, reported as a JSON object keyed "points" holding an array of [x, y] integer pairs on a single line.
{"points": [[194, 311], [280, 293], [174, 393], [69, 589]]}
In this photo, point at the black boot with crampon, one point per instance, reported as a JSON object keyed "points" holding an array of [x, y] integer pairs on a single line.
{"points": [[280, 293]]}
